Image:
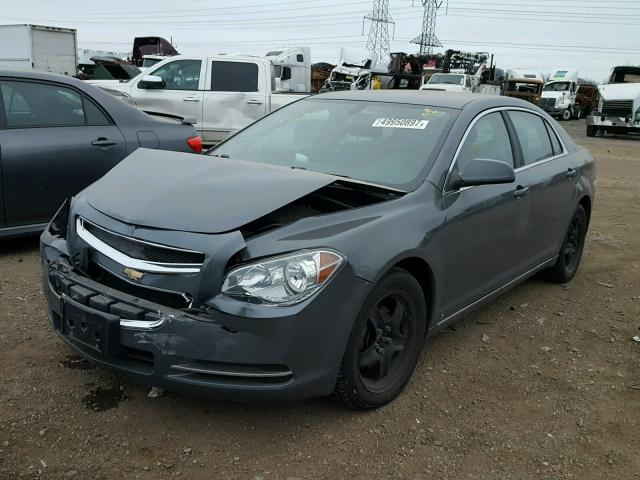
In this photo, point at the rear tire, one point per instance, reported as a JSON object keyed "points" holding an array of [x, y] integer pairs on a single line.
{"points": [[566, 114], [384, 344], [592, 130], [570, 255]]}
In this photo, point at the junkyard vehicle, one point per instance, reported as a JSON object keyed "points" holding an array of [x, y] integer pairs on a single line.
{"points": [[37, 47], [525, 84], [353, 71], [292, 69], [618, 108], [587, 98], [472, 72], [559, 95], [58, 135], [220, 94], [312, 252]]}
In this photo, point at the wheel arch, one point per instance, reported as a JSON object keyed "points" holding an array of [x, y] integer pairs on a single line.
{"points": [[420, 269], [585, 202]]}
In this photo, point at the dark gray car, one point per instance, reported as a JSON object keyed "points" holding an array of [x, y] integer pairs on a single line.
{"points": [[58, 135], [313, 251]]}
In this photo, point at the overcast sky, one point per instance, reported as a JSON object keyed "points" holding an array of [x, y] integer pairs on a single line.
{"points": [[591, 35]]}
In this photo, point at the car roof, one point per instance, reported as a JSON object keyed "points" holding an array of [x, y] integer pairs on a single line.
{"points": [[433, 98], [34, 74]]}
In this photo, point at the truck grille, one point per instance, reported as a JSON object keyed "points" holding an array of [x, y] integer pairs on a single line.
{"points": [[548, 102], [619, 108], [141, 250]]}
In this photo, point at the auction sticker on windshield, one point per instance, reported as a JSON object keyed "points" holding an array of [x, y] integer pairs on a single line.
{"points": [[400, 123]]}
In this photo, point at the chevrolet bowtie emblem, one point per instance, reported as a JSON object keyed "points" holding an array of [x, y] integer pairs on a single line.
{"points": [[133, 274]]}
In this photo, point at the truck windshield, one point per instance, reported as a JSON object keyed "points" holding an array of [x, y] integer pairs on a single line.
{"points": [[557, 87], [448, 78], [384, 143], [626, 75]]}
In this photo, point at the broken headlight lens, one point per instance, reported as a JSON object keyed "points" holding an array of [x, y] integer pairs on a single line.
{"points": [[283, 280]]}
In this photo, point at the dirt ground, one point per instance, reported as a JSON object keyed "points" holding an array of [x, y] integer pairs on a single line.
{"points": [[553, 392]]}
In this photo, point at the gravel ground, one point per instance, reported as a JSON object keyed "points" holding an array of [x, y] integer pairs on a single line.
{"points": [[553, 391]]}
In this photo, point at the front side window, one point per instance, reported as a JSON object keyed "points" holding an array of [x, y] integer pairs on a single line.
{"points": [[487, 139], [29, 104], [179, 74], [378, 142], [234, 76], [533, 136]]}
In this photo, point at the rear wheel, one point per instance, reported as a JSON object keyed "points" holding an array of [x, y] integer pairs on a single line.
{"points": [[385, 343], [571, 252], [592, 130]]}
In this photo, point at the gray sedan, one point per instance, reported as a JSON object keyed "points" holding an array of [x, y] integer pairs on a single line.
{"points": [[58, 135], [312, 252]]}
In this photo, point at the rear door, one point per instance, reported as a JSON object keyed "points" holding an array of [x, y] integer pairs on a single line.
{"points": [[235, 96], [180, 94], [54, 141], [485, 225], [553, 179]]}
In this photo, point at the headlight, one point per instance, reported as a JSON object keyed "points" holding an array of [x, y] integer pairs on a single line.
{"points": [[283, 280]]}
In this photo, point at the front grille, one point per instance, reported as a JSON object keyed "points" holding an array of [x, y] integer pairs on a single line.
{"points": [[548, 102], [141, 250], [619, 108]]}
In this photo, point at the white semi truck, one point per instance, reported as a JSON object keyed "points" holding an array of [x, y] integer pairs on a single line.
{"points": [[559, 94], [619, 105], [37, 47]]}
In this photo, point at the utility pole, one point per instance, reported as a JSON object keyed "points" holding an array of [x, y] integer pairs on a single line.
{"points": [[427, 39], [378, 41]]}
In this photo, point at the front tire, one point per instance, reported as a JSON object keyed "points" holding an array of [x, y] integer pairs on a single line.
{"points": [[570, 255], [384, 344], [566, 114]]}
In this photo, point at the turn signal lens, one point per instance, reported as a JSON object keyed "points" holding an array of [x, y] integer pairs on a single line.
{"points": [[283, 280], [195, 143]]}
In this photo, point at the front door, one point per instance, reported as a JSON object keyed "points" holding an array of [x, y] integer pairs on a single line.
{"points": [[54, 141], [485, 225], [179, 94], [234, 97]]}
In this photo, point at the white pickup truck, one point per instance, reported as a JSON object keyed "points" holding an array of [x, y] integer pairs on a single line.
{"points": [[219, 94]]}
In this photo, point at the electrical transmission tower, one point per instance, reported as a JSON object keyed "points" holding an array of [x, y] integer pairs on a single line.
{"points": [[427, 39], [378, 41]]}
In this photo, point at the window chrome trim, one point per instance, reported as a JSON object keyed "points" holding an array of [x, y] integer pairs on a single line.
{"points": [[564, 153], [127, 261]]}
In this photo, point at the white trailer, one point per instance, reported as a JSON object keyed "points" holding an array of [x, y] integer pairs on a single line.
{"points": [[36, 47]]}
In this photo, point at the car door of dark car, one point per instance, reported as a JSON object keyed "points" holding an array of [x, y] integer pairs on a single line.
{"points": [[552, 178], [54, 142], [485, 225]]}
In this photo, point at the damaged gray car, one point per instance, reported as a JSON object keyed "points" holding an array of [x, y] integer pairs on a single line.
{"points": [[312, 252]]}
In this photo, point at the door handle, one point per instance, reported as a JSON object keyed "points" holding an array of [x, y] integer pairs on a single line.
{"points": [[254, 102], [520, 191], [103, 142], [191, 99], [571, 173]]}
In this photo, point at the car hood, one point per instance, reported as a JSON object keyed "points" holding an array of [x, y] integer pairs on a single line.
{"points": [[197, 193], [620, 91]]}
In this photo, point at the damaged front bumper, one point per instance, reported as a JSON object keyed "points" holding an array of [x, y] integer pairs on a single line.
{"points": [[239, 351]]}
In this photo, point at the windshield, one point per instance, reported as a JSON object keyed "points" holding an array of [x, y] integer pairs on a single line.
{"points": [[149, 62], [557, 87], [387, 144], [440, 78]]}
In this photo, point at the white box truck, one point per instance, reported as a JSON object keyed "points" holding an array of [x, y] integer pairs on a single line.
{"points": [[36, 47]]}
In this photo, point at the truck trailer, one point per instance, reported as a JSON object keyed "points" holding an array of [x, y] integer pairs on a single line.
{"points": [[37, 47]]}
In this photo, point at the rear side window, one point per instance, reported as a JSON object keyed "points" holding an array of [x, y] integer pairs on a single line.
{"points": [[489, 139], [29, 104], [533, 136], [234, 77], [555, 142]]}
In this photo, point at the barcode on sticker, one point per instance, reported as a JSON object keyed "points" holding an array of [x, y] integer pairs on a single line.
{"points": [[400, 123]]}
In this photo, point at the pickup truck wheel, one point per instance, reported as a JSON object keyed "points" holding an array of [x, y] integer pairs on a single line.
{"points": [[571, 252], [592, 130], [385, 343], [566, 114]]}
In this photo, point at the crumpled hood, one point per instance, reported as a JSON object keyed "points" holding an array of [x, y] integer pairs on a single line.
{"points": [[196, 193], [620, 91]]}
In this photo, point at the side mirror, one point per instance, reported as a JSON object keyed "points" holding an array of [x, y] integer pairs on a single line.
{"points": [[482, 171], [151, 81]]}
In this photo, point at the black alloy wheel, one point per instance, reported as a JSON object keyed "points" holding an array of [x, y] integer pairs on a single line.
{"points": [[384, 344], [570, 254]]}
